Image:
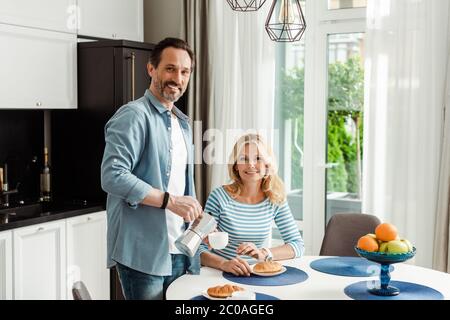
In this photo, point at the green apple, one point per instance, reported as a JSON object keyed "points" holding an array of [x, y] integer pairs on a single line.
{"points": [[408, 244], [383, 247], [397, 246], [373, 235]]}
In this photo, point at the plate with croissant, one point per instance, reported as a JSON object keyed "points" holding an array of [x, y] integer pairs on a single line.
{"points": [[221, 292], [268, 268]]}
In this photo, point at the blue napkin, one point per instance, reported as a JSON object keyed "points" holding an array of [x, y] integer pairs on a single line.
{"points": [[347, 266], [290, 276], [408, 291], [259, 296]]}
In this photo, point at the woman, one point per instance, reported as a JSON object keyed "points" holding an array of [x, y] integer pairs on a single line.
{"points": [[246, 209]]}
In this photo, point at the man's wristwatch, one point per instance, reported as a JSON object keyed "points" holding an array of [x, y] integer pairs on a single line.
{"points": [[269, 255]]}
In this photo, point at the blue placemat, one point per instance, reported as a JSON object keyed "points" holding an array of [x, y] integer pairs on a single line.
{"points": [[408, 291], [347, 266], [259, 296], [290, 276]]}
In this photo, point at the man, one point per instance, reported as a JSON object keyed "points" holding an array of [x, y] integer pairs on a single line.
{"points": [[147, 171]]}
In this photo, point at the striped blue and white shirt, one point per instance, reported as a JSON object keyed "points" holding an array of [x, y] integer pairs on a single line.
{"points": [[250, 223]]}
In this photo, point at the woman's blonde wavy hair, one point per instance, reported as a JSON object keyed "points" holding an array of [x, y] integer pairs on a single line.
{"points": [[272, 186]]}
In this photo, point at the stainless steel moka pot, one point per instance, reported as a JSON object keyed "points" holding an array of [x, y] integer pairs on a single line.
{"points": [[191, 239]]}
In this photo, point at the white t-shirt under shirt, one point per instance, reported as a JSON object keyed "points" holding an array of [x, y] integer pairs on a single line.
{"points": [[177, 182]]}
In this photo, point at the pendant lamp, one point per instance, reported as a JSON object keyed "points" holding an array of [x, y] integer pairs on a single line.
{"points": [[245, 5], [285, 22]]}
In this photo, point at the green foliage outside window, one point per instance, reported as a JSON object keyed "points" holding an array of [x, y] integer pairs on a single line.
{"points": [[345, 106]]}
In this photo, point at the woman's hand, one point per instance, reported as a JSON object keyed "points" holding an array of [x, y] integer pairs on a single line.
{"points": [[206, 239], [250, 249], [236, 266]]}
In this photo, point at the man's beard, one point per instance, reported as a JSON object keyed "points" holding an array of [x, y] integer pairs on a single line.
{"points": [[172, 97]]}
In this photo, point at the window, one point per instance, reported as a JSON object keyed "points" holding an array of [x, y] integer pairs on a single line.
{"points": [[319, 98], [289, 117], [346, 4], [344, 122]]}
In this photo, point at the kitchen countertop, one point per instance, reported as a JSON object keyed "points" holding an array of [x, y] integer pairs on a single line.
{"points": [[41, 212]]}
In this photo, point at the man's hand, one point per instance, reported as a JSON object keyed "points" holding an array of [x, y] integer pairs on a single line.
{"points": [[236, 266], [185, 206], [250, 249]]}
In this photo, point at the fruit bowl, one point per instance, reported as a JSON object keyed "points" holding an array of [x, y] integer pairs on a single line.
{"points": [[385, 260]]}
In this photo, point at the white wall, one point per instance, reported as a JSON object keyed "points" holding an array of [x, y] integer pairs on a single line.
{"points": [[162, 18]]}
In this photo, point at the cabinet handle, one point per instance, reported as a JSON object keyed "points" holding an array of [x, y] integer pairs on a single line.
{"points": [[133, 80], [38, 104], [40, 229], [89, 218]]}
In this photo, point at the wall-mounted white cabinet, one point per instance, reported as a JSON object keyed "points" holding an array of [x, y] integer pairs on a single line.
{"points": [[38, 69], [6, 265], [112, 19], [86, 254], [39, 262], [56, 15]]}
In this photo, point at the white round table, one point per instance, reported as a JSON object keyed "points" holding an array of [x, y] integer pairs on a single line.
{"points": [[318, 286]]}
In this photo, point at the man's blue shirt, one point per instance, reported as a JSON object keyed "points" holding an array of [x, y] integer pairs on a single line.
{"points": [[137, 158]]}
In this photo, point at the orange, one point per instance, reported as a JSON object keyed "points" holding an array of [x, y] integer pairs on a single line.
{"points": [[367, 243], [386, 232]]}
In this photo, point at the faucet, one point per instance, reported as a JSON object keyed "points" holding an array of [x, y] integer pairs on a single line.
{"points": [[4, 188]]}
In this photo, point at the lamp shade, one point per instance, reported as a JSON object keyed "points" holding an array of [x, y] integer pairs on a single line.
{"points": [[285, 22], [245, 5]]}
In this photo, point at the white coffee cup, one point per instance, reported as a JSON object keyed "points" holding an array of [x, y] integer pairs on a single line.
{"points": [[218, 240]]}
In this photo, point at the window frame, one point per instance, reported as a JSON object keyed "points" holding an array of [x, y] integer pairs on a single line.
{"points": [[325, 14], [321, 23]]}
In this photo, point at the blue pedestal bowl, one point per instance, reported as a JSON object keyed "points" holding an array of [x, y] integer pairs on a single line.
{"points": [[385, 260]]}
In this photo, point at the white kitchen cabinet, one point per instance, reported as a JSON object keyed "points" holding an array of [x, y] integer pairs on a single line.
{"points": [[40, 261], [6, 265], [112, 19], [38, 69], [86, 254], [56, 15]]}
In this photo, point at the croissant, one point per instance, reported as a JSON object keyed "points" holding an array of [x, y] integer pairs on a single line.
{"points": [[223, 291], [267, 267]]}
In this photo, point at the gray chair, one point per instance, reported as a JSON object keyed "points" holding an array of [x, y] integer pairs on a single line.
{"points": [[80, 292], [343, 231]]}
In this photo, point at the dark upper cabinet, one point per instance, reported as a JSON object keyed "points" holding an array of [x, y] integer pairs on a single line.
{"points": [[110, 74], [132, 70]]}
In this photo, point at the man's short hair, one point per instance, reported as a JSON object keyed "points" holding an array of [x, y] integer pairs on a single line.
{"points": [[155, 56]]}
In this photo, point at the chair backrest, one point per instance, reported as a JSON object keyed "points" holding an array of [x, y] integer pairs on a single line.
{"points": [[343, 231], [80, 292]]}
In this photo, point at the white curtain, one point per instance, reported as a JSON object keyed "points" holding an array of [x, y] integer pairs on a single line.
{"points": [[406, 56], [243, 77], [441, 254]]}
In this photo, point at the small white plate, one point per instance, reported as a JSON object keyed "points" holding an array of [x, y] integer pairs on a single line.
{"points": [[268, 274], [207, 296]]}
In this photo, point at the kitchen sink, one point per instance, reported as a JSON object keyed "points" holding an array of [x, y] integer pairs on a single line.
{"points": [[30, 211], [23, 212]]}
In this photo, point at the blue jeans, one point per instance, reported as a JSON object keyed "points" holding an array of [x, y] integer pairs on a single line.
{"points": [[137, 285]]}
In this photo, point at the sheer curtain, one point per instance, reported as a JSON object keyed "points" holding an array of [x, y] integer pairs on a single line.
{"points": [[196, 32], [441, 256], [243, 78], [407, 47]]}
